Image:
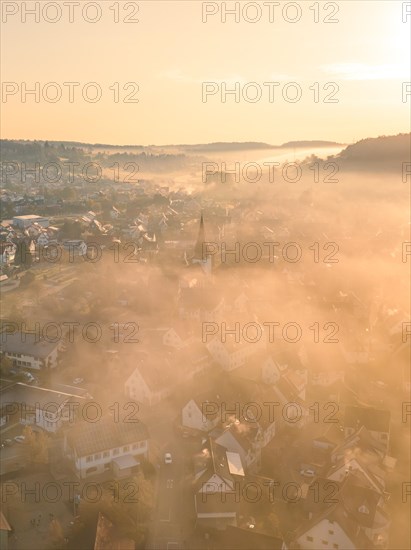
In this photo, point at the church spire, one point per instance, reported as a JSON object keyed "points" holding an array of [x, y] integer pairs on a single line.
{"points": [[199, 249]]}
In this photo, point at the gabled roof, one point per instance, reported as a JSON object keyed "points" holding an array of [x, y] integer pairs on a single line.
{"points": [[213, 460], [4, 524], [362, 440], [92, 437], [32, 345], [244, 433], [238, 538], [371, 473], [373, 419]]}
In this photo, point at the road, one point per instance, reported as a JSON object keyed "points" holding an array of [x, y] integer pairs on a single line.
{"points": [[166, 532]]}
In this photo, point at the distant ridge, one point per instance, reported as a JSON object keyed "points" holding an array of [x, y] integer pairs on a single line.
{"points": [[313, 143], [198, 147]]}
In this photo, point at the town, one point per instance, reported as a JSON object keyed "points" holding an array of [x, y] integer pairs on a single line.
{"points": [[145, 402]]}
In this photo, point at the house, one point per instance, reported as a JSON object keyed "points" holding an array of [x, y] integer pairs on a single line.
{"points": [[41, 407], [272, 370], [158, 372], [30, 351], [152, 380], [195, 415], [360, 442], [376, 421], [217, 474], [22, 222], [43, 239], [343, 515], [254, 404], [231, 355], [241, 438], [245, 538], [372, 474], [7, 252], [5, 530], [47, 236], [294, 412], [97, 447]]}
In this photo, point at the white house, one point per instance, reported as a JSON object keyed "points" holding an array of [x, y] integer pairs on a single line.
{"points": [[217, 474], [7, 253], [151, 381], [29, 350], [41, 407], [325, 533], [241, 438], [195, 415], [231, 355], [105, 445], [25, 221]]}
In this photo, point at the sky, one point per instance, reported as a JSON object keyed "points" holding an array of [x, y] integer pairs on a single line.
{"points": [[348, 74]]}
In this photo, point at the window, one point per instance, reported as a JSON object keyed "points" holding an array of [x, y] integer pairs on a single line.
{"points": [[135, 446], [310, 539], [97, 456], [89, 458], [126, 448], [106, 454], [116, 451]]}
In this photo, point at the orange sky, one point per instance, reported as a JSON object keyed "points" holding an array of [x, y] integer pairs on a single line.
{"points": [[171, 52]]}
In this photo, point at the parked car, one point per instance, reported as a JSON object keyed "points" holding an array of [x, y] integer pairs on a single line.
{"points": [[307, 472], [7, 442], [19, 438], [168, 458], [78, 380], [29, 377]]}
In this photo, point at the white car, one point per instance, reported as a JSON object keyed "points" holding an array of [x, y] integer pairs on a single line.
{"points": [[168, 459], [30, 378], [78, 380], [307, 472], [19, 438]]}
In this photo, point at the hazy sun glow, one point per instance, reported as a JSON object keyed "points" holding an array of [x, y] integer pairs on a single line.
{"points": [[170, 52]]}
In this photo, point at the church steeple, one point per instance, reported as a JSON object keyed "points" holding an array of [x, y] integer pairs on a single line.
{"points": [[199, 249], [200, 254]]}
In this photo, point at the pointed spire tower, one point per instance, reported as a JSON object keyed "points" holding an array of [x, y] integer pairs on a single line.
{"points": [[199, 248], [200, 254]]}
